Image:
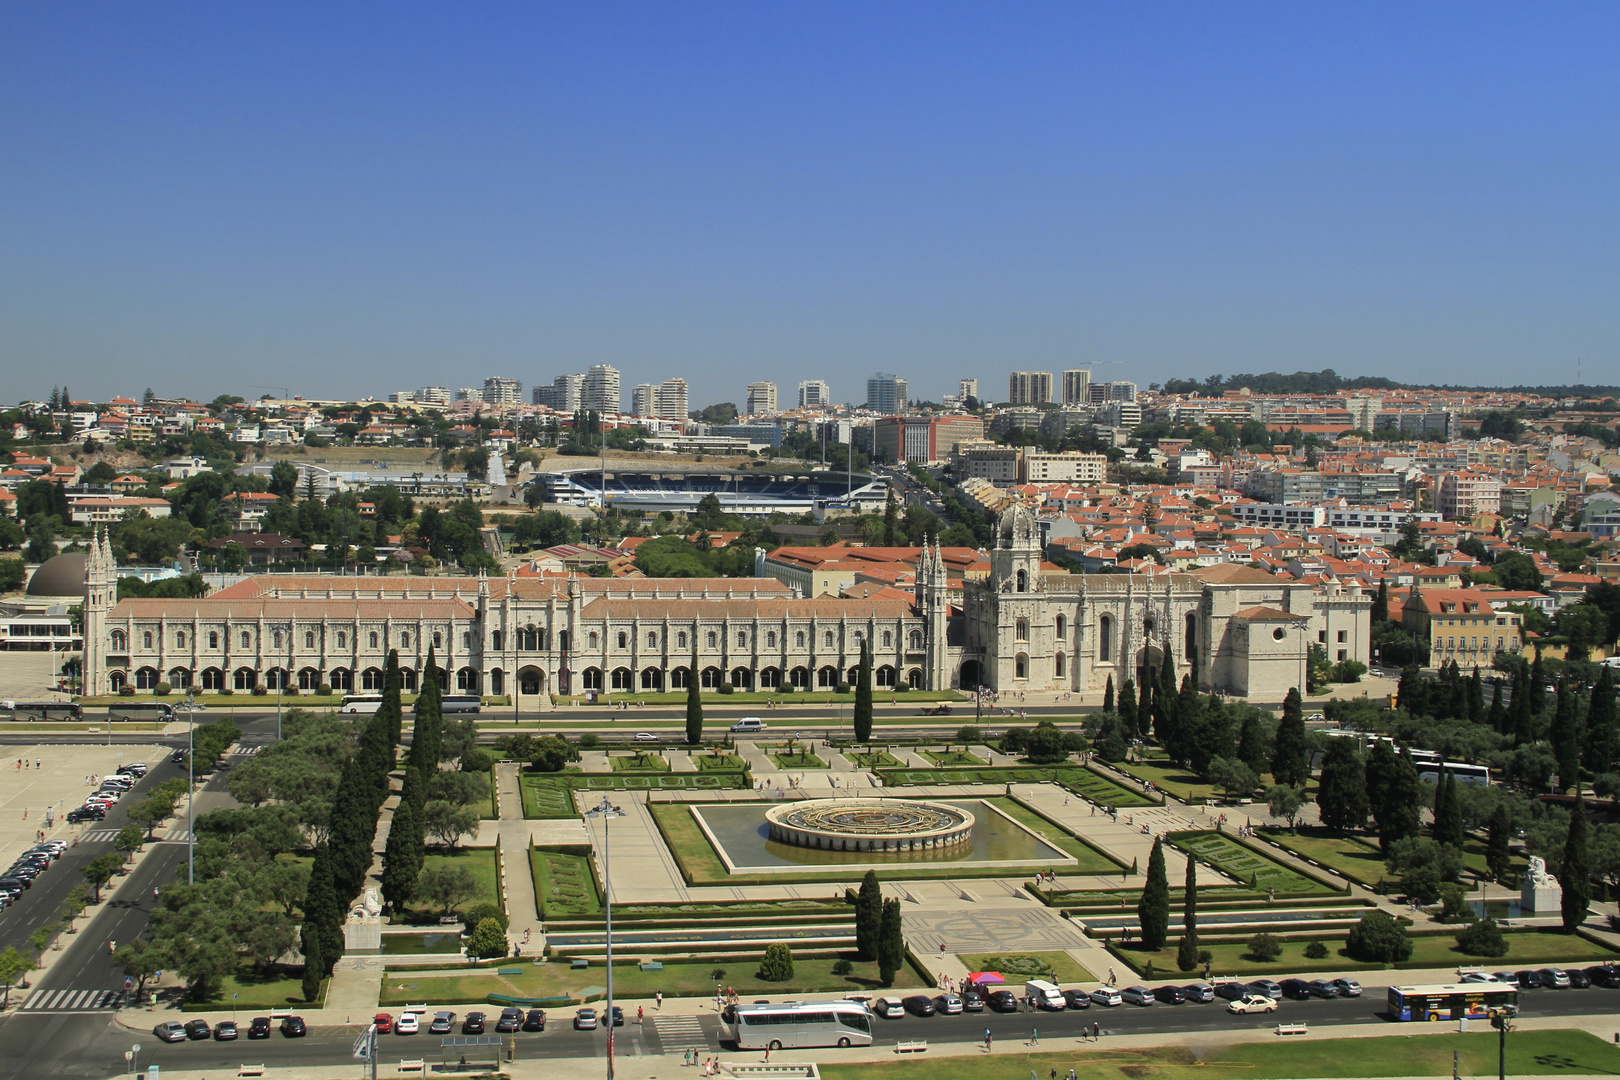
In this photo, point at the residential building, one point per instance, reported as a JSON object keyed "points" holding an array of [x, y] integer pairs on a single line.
{"points": [[1029, 387], [670, 402], [599, 390], [1462, 626], [987, 461], [1363, 411], [563, 395], [470, 393], [923, 438], [814, 394], [1077, 386], [433, 395], [1462, 495], [761, 398], [1284, 485], [499, 391], [967, 388], [886, 393], [643, 400], [1072, 468]]}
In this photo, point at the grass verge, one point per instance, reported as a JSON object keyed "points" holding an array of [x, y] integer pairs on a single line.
{"points": [[1249, 865], [480, 861], [1348, 856], [957, 759], [1076, 778], [564, 886], [1016, 967], [797, 761]]}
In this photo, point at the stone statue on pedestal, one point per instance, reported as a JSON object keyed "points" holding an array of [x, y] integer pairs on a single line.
{"points": [[1539, 891]]}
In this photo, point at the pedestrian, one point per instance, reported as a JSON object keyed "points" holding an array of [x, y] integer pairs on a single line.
{"points": [[1096, 1031], [112, 947], [987, 1040], [640, 1013], [660, 999], [36, 763], [1110, 976], [1034, 1036], [1053, 1076], [767, 1055]]}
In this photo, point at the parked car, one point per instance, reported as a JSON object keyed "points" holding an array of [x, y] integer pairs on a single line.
{"points": [[1231, 991], [384, 1023], [225, 1031], [135, 768], [1527, 980], [1169, 995], [1322, 988], [1254, 1003], [198, 1029], [534, 1020], [1604, 975], [1077, 999], [407, 1024], [618, 1016], [1137, 995], [1478, 977], [1579, 979], [85, 813], [1003, 1001], [293, 1026], [473, 1024], [585, 1020], [444, 1022], [893, 1008], [1200, 992], [1106, 995], [973, 1001], [1298, 989], [1267, 987], [920, 1005], [1555, 978], [511, 1020], [170, 1031], [1347, 987], [259, 1027], [948, 1004]]}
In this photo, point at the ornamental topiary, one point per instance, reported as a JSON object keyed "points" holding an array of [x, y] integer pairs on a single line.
{"points": [[162, 689]]}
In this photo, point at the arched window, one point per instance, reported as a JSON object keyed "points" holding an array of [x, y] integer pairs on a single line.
{"points": [[888, 639], [371, 640], [829, 639], [770, 639], [884, 677], [467, 680], [275, 639], [1021, 630], [827, 677], [710, 678], [343, 640], [1105, 639], [1062, 626], [1023, 581], [247, 639], [179, 639], [562, 640], [405, 640], [1021, 666], [117, 681], [742, 639], [275, 679], [652, 679], [119, 642], [371, 679], [1060, 668], [622, 679], [799, 677], [495, 638], [213, 639], [680, 640], [1189, 643], [914, 678], [146, 643], [591, 678], [709, 639], [916, 640], [798, 640], [652, 639], [466, 639], [590, 639], [438, 639], [497, 681], [245, 678], [214, 679], [309, 639], [180, 678], [860, 638], [742, 678], [146, 678], [624, 640], [343, 680], [407, 679], [853, 676], [308, 678], [680, 678], [770, 679]]}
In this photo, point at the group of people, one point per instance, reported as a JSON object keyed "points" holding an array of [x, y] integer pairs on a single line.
{"points": [[22, 763], [711, 1066]]}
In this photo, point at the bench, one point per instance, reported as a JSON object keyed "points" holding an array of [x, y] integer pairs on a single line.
{"points": [[509, 971], [652, 965], [414, 1008], [417, 1065], [916, 1046], [250, 1070], [449, 920], [1291, 1029], [579, 962]]}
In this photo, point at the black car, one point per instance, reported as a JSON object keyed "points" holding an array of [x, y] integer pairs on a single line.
{"points": [[225, 1030], [1604, 975], [473, 1024], [1076, 999], [1579, 979], [618, 1016], [1170, 995], [179, 757], [1527, 980], [919, 1005], [198, 1029], [1003, 1001], [259, 1027], [1298, 989], [17, 882], [85, 813], [972, 1001], [1231, 991], [535, 1020], [511, 1019], [293, 1026]]}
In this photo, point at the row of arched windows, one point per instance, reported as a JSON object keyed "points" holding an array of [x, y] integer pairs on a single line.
{"points": [[119, 640], [533, 639], [712, 678]]}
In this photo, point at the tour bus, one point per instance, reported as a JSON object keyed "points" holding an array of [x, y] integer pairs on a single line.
{"points": [[1461, 772], [1452, 1001], [450, 703], [140, 710], [42, 710], [360, 703], [460, 703], [813, 1023]]}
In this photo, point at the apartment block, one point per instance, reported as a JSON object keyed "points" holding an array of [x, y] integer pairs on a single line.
{"points": [[987, 461], [1029, 387], [1462, 495], [814, 394], [761, 398], [562, 395], [1077, 386], [600, 389], [886, 393], [670, 401], [967, 388], [643, 400], [499, 391], [1072, 468], [1284, 485]]}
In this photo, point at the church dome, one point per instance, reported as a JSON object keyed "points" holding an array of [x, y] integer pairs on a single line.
{"points": [[61, 576]]}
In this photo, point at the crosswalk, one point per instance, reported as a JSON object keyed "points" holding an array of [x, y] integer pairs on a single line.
{"points": [[96, 836], [245, 751], [177, 835], [73, 1001], [679, 1033]]}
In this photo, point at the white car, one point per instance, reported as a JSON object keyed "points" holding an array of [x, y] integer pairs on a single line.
{"points": [[646, 736], [1106, 995], [1478, 977], [1253, 1003], [407, 1024]]}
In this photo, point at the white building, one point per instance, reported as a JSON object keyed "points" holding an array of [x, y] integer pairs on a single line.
{"points": [[600, 389], [643, 400], [670, 402], [1077, 386], [761, 398], [814, 394]]}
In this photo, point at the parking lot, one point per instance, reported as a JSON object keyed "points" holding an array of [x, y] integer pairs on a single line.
{"points": [[33, 794]]}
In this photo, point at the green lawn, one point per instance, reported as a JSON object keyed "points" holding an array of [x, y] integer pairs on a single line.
{"points": [[1016, 967], [257, 993], [1172, 778], [955, 759], [1411, 1051], [549, 795], [678, 979], [564, 886], [1350, 856], [640, 761], [546, 796], [798, 761], [1246, 864], [490, 809], [711, 762], [1076, 778], [482, 863], [446, 941], [872, 759], [1525, 948]]}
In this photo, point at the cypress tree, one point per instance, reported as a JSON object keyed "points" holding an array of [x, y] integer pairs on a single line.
{"points": [[1412, 693], [404, 854], [863, 697], [891, 945], [1476, 696], [322, 930], [1448, 818], [1251, 748], [1565, 736], [1127, 705], [1497, 716], [1394, 795], [391, 707], [313, 972], [1498, 834], [1521, 715], [1342, 789], [1536, 700], [868, 916], [1153, 910], [1165, 721], [1108, 695], [1602, 724], [1187, 951], [694, 705], [1380, 607], [427, 731], [1576, 876], [1288, 761]]}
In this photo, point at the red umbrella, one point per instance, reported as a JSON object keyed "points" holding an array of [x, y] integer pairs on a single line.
{"points": [[985, 977]]}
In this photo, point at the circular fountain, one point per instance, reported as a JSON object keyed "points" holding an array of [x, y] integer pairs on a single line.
{"points": [[874, 825]]}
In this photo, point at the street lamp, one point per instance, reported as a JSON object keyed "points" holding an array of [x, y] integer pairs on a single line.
{"points": [[605, 811], [1502, 1021], [189, 707]]}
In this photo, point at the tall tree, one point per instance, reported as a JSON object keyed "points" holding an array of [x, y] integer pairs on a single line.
{"points": [[1187, 951], [1476, 696], [1251, 746], [1602, 724], [322, 932], [427, 729], [1153, 910], [391, 707], [1127, 706], [1108, 695], [1380, 607], [1521, 713], [891, 945], [404, 854], [863, 696], [890, 514], [1394, 795], [1288, 749], [1448, 816], [1341, 794], [694, 704], [1165, 721], [1576, 875], [1536, 700], [1565, 736], [1498, 835], [868, 915]]}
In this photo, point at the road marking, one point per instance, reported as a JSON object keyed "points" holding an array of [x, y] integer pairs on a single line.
{"points": [[245, 751], [679, 1033], [96, 836], [73, 1001], [178, 835]]}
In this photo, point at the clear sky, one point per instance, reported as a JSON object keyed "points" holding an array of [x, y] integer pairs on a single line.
{"points": [[348, 199]]}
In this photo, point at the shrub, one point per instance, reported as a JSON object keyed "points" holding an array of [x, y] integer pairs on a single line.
{"points": [[843, 688], [969, 734], [260, 690], [1264, 947], [225, 690], [1482, 938], [324, 690], [1378, 939], [589, 740], [162, 689], [1454, 904], [126, 691], [842, 967], [1315, 951], [488, 940], [727, 688], [776, 965], [290, 691], [479, 912]]}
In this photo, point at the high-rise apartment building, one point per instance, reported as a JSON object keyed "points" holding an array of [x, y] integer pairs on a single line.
{"points": [[669, 402], [562, 395], [1363, 411], [761, 398], [886, 393], [814, 394], [499, 391], [433, 395], [1029, 387], [644, 400], [967, 388], [470, 393], [923, 438], [1121, 391], [600, 390], [1077, 386]]}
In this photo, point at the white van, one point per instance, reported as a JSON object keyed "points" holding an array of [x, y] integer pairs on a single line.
{"points": [[749, 723], [1043, 995]]}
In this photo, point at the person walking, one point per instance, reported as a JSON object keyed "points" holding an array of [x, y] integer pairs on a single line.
{"points": [[1110, 976], [1096, 1031], [659, 998], [987, 1040], [1034, 1036]]}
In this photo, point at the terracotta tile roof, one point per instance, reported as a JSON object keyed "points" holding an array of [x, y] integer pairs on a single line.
{"points": [[821, 607], [312, 609]]}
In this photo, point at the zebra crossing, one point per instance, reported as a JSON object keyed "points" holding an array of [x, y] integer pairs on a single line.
{"points": [[244, 751], [679, 1033], [178, 835], [97, 836], [73, 1001]]}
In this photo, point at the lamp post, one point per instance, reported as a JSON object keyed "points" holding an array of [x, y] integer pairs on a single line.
{"points": [[190, 708], [1502, 1021], [606, 810]]}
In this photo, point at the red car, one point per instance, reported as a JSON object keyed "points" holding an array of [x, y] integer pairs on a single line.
{"points": [[384, 1022]]}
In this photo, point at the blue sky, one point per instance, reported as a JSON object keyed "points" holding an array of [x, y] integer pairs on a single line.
{"points": [[348, 199]]}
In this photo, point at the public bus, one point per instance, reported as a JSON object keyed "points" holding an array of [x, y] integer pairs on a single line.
{"points": [[1452, 1001], [449, 703], [140, 710], [360, 703], [460, 703], [43, 710], [1461, 772], [813, 1023]]}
